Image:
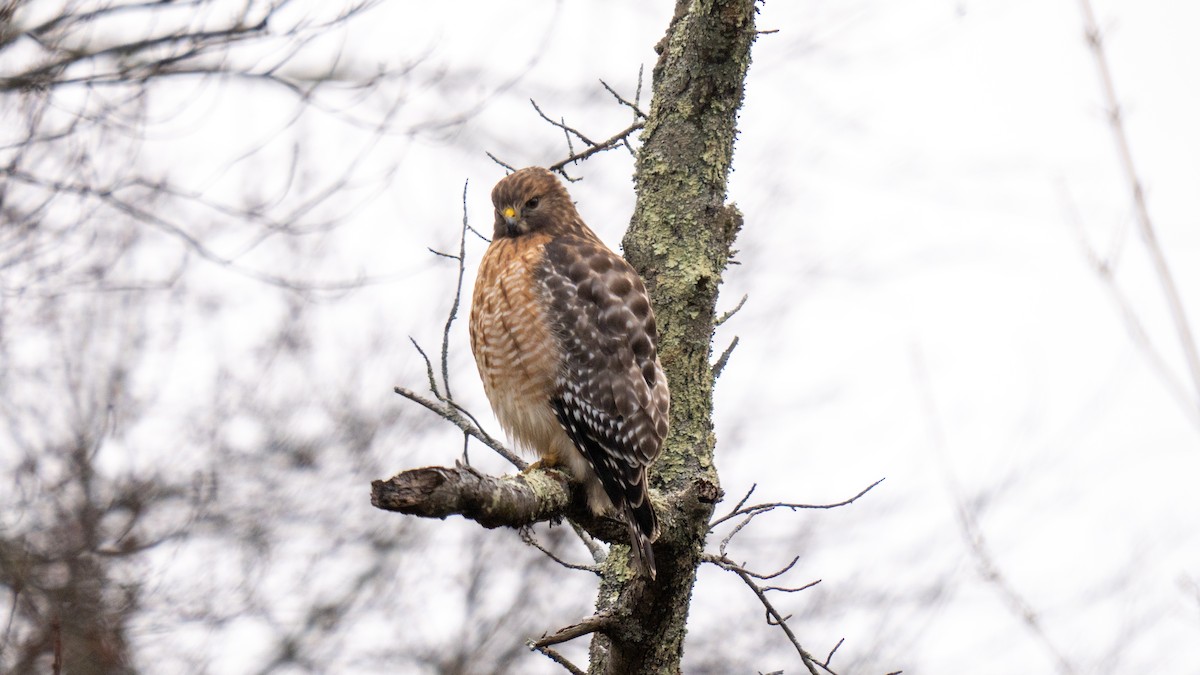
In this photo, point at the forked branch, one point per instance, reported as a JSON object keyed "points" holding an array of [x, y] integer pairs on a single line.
{"points": [[591, 147], [751, 578], [594, 624], [774, 618]]}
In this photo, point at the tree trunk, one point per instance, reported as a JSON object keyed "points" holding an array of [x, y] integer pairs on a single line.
{"points": [[680, 240]]}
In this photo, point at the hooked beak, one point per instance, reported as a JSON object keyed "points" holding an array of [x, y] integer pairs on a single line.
{"points": [[510, 219]]}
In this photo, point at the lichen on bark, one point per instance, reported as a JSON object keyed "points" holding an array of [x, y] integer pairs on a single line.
{"points": [[680, 240]]}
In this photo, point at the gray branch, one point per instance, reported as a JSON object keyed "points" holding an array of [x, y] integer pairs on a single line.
{"points": [[491, 501]]}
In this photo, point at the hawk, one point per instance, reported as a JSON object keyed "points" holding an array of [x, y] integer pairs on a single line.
{"points": [[567, 348]]}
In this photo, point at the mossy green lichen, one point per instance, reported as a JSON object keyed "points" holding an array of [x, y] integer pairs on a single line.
{"points": [[680, 239]]}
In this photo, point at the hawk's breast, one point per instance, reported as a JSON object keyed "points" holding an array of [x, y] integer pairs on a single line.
{"points": [[515, 350]]}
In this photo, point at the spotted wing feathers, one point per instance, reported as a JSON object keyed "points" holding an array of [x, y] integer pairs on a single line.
{"points": [[611, 394]]}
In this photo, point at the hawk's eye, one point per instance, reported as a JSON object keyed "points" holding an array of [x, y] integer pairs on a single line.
{"points": [[532, 203]]}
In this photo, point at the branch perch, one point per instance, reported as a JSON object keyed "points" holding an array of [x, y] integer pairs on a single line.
{"points": [[491, 501], [518, 500]]}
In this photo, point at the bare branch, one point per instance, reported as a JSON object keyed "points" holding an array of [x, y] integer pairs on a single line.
{"points": [[599, 553], [1166, 279], [453, 313], [527, 537], [453, 413], [637, 112], [553, 655], [570, 131], [108, 196], [783, 570], [477, 233], [758, 509], [491, 501], [433, 388], [719, 366], [617, 139], [496, 160], [774, 618], [728, 315], [746, 497], [637, 95], [1105, 271], [596, 623], [832, 652], [723, 561]]}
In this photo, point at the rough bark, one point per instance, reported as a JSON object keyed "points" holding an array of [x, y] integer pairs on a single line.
{"points": [[534, 496], [491, 501], [680, 239]]}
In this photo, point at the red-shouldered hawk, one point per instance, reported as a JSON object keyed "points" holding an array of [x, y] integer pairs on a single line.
{"points": [[566, 345]]}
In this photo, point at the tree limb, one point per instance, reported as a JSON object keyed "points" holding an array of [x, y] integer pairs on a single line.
{"points": [[1145, 225], [592, 624], [491, 501]]}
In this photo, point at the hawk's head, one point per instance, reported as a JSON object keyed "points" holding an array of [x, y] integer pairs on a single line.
{"points": [[531, 200]]}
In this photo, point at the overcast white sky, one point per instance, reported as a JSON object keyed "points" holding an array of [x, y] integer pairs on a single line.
{"points": [[921, 306]]}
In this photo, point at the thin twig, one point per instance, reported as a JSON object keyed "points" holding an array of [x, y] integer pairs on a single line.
{"points": [[596, 623], [792, 589], [562, 125], [467, 413], [445, 406], [745, 498], [567, 136], [774, 618], [783, 570], [727, 315], [479, 234], [553, 655], [597, 147], [1162, 270], [637, 95], [526, 534], [832, 652], [450, 413], [719, 366], [1104, 269], [428, 370], [453, 313], [733, 533], [441, 254], [725, 562], [763, 508], [638, 114], [503, 164], [599, 553]]}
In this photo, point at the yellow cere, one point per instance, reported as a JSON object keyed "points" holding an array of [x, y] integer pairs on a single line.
{"points": [[509, 212]]}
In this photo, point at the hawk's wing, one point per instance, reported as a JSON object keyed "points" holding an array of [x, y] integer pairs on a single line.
{"points": [[611, 395]]}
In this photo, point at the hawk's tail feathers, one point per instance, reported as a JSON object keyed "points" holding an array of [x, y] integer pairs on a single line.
{"points": [[643, 530]]}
